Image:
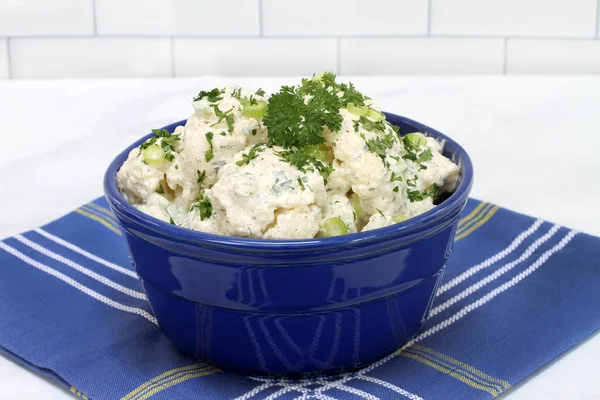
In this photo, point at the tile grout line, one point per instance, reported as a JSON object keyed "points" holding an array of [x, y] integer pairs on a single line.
{"points": [[505, 58], [260, 18], [293, 37], [9, 58], [429, 17], [94, 18], [172, 53]]}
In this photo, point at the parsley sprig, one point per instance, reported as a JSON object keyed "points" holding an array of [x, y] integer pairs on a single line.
{"points": [[297, 115], [167, 143]]}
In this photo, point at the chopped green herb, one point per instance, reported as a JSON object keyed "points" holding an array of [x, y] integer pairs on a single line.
{"points": [[433, 190], [395, 189], [369, 125], [201, 177], [213, 96], [424, 156], [324, 169], [204, 206], [380, 145], [237, 93], [281, 185], [252, 154], [176, 166], [301, 184], [413, 142], [209, 155], [416, 195], [260, 92], [304, 162], [227, 116], [380, 212], [395, 178], [172, 221]]}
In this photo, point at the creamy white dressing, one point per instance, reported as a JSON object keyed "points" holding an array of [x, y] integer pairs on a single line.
{"points": [[264, 196]]}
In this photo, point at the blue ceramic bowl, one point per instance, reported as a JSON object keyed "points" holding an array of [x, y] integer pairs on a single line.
{"points": [[296, 307]]}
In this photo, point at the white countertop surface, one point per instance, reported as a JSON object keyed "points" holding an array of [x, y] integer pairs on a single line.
{"points": [[534, 141]]}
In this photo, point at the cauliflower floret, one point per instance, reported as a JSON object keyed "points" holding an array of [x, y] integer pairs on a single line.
{"points": [[418, 207], [136, 179], [194, 219], [249, 193], [339, 206], [368, 174], [440, 171], [339, 180], [377, 221], [156, 206], [295, 223]]}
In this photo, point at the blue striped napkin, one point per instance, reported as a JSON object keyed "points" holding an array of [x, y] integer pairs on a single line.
{"points": [[518, 292]]}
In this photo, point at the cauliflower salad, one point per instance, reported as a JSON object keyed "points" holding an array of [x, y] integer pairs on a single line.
{"points": [[312, 160]]}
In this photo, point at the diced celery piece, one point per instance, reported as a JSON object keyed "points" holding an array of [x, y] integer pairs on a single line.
{"points": [[256, 111], [375, 115], [356, 205], [154, 154], [360, 111], [318, 152], [400, 218], [335, 227], [417, 139]]}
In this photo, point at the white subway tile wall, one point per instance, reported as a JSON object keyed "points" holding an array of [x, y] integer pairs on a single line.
{"points": [[553, 18], [344, 17], [46, 17], [4, 58], [530, 56], [90, 58], [412, 56], [178, 18], [173, 38], [254, 57]]}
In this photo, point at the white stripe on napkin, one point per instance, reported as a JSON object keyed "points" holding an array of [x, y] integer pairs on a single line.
{"points": [[496, 274], [80, 268], [77, 285], [458, 315], [482, 300], [492, 260], [389, 386], [87, 254]]}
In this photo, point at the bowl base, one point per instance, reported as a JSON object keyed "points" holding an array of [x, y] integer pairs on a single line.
{"points": [[299, 375]]}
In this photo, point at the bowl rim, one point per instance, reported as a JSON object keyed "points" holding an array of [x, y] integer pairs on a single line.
{"points": [[456, 200]]}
